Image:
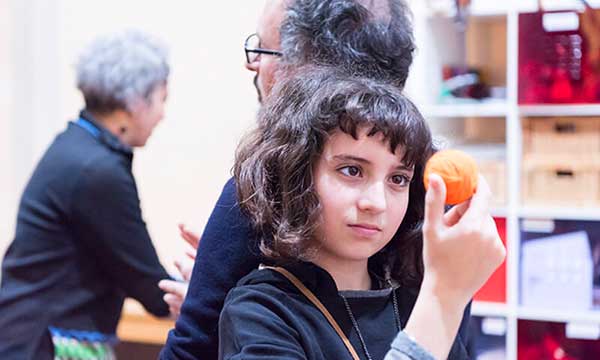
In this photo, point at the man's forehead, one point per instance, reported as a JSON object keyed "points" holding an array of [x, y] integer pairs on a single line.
{"points": [[380, 9], [272, 15]]}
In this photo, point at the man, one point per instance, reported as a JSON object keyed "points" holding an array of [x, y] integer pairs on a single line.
{"points": [[363, 37], [371, 38]]}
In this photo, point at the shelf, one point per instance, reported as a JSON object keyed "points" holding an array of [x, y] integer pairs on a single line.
{"points": [[485, 309], [491, 45], [499, 212], [560, 110], [560, 213], [558, 315], [477, 9], [486, 8], [482, 109]]}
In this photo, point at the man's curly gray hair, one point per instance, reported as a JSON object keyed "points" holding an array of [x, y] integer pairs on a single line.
{"points": [[118, 71]]}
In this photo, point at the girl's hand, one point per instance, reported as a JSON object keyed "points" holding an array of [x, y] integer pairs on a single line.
{"points": [[461, 248]]}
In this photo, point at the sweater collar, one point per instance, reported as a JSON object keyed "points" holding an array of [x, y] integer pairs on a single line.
{"points": [[106, 137], [315, 278]]}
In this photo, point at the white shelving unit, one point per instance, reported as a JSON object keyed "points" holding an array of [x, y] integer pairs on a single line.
{"points": [[479, 110], [558, 315], [559, 110], [436, 47], [560, 213], [484, 308]]}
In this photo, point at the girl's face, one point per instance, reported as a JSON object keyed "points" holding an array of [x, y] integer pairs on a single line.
{"points": [[363, 189]]}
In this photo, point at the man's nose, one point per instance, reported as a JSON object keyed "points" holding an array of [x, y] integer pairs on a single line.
{"points": [[253, 66]]}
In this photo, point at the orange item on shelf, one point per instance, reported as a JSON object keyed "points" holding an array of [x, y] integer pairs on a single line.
{"points": [[459, 172]]}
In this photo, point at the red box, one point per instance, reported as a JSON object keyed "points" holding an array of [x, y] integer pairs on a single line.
{"points": [[549, 340], [495, 288], [559, 65]]}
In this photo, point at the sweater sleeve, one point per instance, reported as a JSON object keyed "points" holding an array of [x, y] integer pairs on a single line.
{"points": [[226, 253], [251, 328], [405, 348], [107, 218]]}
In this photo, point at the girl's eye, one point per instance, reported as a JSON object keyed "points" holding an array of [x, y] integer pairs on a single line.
{"points": [[400, 180], [350, 171]]}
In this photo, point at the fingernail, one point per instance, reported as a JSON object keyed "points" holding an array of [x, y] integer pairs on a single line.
{"points": [[431, 176]]}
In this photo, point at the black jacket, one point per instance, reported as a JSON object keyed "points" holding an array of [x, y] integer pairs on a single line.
{"points": [[81, 246], [267, 317]]}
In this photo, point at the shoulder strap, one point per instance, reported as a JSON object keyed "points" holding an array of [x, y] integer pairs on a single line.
{"points": [[310, 296]]}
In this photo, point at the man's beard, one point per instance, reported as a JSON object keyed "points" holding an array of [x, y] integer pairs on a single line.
{"points": [[257, 89]]}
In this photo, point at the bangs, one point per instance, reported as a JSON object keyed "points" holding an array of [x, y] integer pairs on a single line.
{"points": [[395, 118], [274, 163]]}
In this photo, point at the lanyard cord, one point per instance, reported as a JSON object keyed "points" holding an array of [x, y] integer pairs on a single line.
{"points": [[89, 127]]}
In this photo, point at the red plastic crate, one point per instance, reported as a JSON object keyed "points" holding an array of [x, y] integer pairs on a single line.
{"points": [[495, 288], [559, 66], [548, 340]]}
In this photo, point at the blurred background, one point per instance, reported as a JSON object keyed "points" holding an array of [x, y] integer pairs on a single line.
{"points": [[211, 102], [514, 83]]}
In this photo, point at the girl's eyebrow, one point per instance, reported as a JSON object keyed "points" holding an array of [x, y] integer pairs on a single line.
{"points": [[346, 157]]}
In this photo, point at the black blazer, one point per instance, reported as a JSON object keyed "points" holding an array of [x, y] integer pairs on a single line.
{"points": [[81, 246]]}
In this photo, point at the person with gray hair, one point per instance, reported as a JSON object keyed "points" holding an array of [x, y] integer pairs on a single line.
{"points": [[81, 245], [120, 77]]}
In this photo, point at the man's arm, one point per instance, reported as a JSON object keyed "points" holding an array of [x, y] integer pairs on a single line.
{"points": [[226, 253]]}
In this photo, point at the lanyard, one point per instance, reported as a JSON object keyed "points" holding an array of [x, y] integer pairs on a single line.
{"points": [[89, 127]]}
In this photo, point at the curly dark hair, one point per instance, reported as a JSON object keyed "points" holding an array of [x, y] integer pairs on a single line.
{"points": [[274, 162], [369, 38]]}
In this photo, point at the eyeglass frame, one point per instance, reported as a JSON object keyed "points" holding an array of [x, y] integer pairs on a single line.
{"points": [[259, 51]]}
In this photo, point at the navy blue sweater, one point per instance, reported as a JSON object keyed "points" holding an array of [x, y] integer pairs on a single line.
{"points": [[228, 251], [81, 246]]}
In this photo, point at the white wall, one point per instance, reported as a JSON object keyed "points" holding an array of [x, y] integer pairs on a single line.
{"points": [[7, 194], [182, 169]]}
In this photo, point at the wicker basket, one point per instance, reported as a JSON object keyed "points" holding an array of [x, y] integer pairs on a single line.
{"points": [[557, 135], [561, 180]]}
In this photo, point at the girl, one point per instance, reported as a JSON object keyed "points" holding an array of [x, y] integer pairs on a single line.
{"points": [[332, 179]]}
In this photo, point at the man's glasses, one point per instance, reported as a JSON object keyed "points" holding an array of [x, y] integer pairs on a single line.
{"points": [[253, 49]]}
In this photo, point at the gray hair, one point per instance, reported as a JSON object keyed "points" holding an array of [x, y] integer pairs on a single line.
{"points": [[117, 71], [370, 38]]}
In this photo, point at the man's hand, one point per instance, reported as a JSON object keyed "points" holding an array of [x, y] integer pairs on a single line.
{"points": [[191, 238], [175, 295], [176, 290], [185, 265]]}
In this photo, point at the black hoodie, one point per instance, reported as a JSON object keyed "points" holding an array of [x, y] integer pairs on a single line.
{"points": [[267, 317]]}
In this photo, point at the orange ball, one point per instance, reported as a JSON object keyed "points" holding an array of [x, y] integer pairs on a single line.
{"points": [[459, 172]]}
